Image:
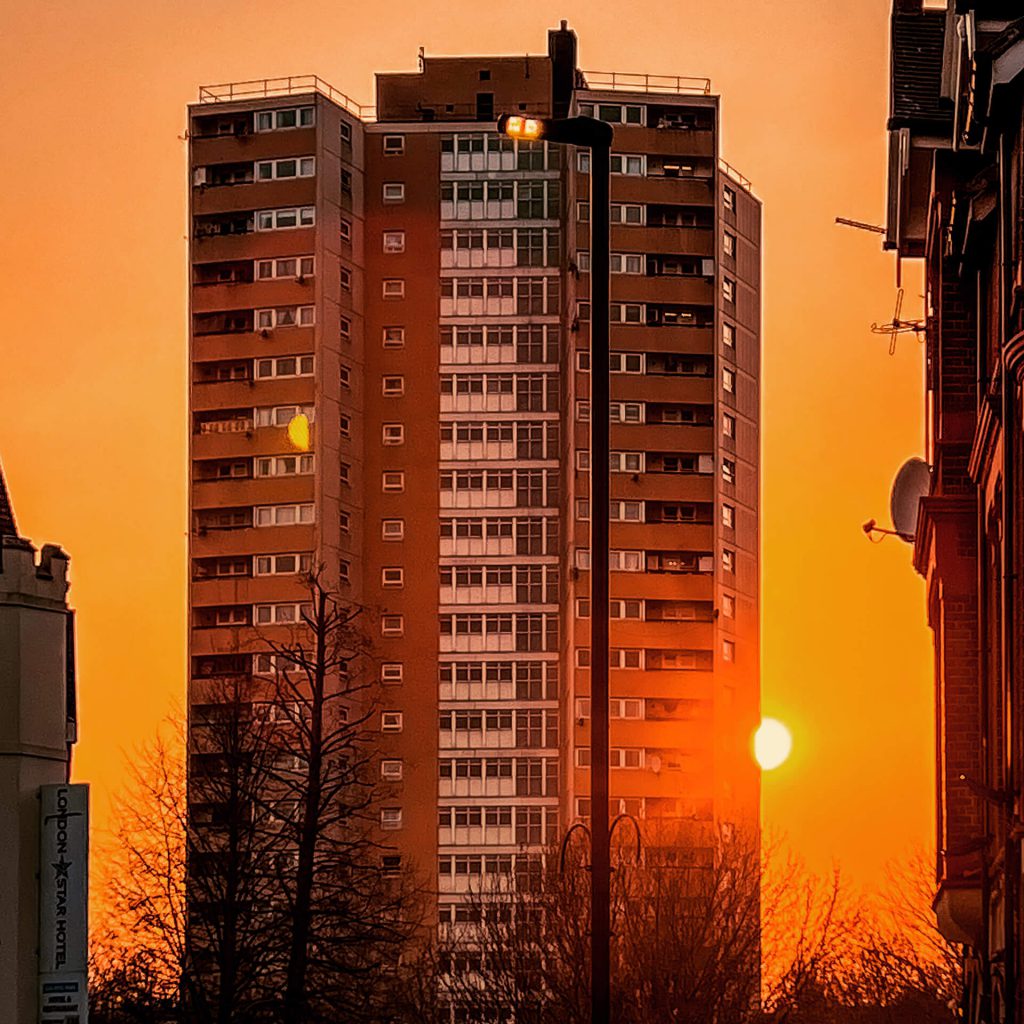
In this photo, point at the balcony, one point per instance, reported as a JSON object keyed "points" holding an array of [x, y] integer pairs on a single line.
{"points": [[260, 195]]}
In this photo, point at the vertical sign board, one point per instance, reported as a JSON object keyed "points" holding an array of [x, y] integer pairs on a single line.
{"points": [[63, 904]]}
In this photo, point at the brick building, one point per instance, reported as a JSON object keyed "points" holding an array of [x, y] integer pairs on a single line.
{"points": [[956, 170], [417, 287]]}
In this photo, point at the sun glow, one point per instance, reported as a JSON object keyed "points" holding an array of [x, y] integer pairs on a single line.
{"points": [[772, 744]]}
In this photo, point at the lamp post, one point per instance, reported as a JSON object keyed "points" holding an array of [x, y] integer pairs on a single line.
{"points": [[597, 137]]}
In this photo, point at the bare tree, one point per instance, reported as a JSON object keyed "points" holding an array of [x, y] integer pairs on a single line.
{"points": [[688, 922], [271, 898]]}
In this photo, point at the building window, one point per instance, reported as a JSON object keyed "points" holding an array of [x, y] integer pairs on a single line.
{"points": [[345, 277], [582, 210], [392, 386], [281, 565], [582, 458], [393, 145], [392, 625], [285, 465], [289, 117], [582, 410], [729, 471], [728, 560], [284, 366], [728, 650], [283, 515], [729, 606], [284, 316], [583, 360], [728, 380], [289, 167], [345, 230], [392, 434], [345, 328], [391, 721], [391, 770], [394, 288], [345, 473], [583, 508], [729, 335], [392, 576], [583, 607], [391, 818], [394, 241], [728, 425], [728, 289], [392, 673], [285, 218], [345, 130], [298, 267], [393, 337], [729, 244], [344, 376], [344, 571], [346, 183], [344, 520], [393, 192], [728, 197], [392, 529], [728, 517], [392, 481]]}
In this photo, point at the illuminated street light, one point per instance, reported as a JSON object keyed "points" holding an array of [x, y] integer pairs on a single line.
{"points": [[597, 137]]}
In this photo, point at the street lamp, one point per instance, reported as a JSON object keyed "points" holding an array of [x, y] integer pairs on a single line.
{"points": [[597, 137]]}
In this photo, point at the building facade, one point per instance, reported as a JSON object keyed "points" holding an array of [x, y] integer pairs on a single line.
{"points": [[956, 171], [416, 285], [38, 725]]}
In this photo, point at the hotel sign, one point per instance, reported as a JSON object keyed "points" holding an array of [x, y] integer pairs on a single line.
{"points": [[63, 904]]}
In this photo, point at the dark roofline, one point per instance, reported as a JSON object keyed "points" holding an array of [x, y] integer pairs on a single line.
{"points": [[8, 527]]}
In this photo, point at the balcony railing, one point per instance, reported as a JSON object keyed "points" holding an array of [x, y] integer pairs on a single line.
{"points": [[292, 85], [730, 171], [618, 80]]}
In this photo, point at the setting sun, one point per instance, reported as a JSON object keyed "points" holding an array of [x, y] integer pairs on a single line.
{"points": [[772, 744]]}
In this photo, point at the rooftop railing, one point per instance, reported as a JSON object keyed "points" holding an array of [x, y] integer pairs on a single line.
{"points": [[740, 179], [258, 88], [617, 80]]}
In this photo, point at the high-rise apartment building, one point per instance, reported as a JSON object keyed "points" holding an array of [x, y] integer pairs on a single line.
{"points": [[417, 286]]}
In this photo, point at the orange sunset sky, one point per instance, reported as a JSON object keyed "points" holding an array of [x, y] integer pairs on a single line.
{"points": [[93, 424]]}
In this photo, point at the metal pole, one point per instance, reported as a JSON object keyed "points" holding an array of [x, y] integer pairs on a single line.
{"points": [[600, 858]]}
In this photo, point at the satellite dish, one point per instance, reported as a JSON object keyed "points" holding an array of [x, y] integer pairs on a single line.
{"points": [[912, 483], [654, 763]]}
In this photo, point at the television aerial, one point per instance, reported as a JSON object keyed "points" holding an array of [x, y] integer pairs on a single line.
{"points": [[912, 483], [896, 326]]}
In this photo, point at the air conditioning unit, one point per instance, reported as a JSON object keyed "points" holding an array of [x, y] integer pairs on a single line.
{"points": [[265, 332]]}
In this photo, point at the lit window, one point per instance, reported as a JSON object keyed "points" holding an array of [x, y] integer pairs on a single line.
{"points": [[392, 673], [728, 517], [393, 145], [392, 481], [394, 241], [393, 386], [393, 337], [393, 288], [393, 192], [390, 818], [392, 529], [392, 576], [392, 434], [391, 770]]}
